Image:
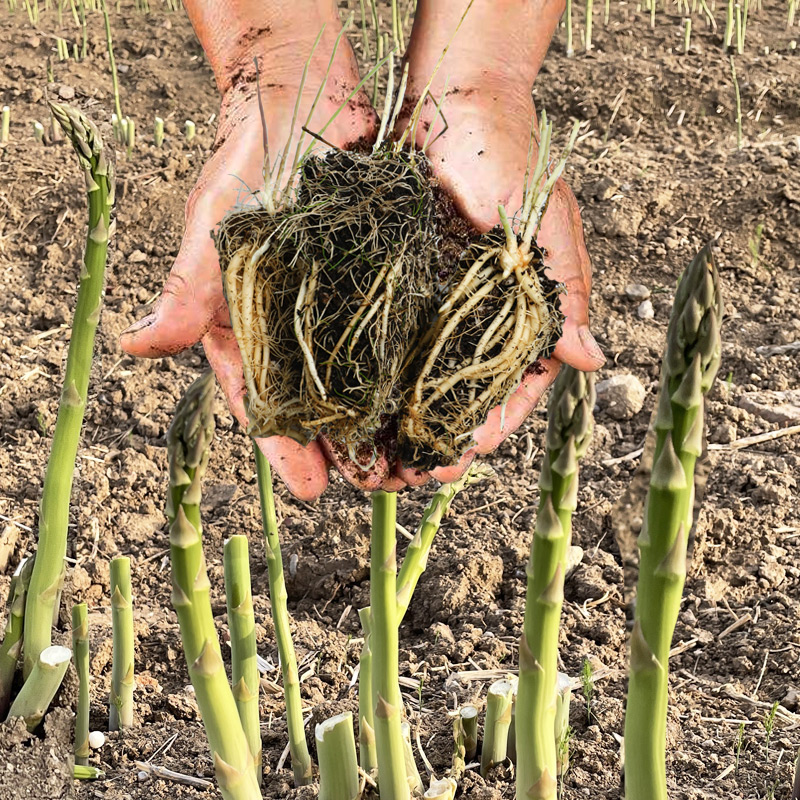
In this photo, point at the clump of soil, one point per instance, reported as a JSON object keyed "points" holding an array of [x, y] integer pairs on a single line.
{"points": [[366, 305]]}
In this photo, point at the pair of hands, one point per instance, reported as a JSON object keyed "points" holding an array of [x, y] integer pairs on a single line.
{"points": [[480, 159]]}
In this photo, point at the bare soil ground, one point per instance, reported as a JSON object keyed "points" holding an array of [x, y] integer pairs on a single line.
{"points": [[657, 173]]}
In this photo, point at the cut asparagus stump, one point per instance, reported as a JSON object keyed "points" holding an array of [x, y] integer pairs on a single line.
{"points": [[336, 752], [120, 702], [301, 760], [242, 627], [80, 649], [688, 370], [40, 688], [188, 442], [412, 773], [469, 720], [385, 654], [569, 433], [54, 512], [441, 789], [498, 720]]}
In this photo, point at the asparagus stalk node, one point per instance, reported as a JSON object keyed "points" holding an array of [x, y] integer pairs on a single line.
{"points": [[244, 660], [336, 752], [569, 433], [387, 702], [301, 760], [80, 650], [40, 688], [188, 443], [498, 720], [688, 370], [120, 701], [54, 512]]}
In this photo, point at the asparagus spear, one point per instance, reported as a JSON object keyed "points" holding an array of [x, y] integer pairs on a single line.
{"points": [[188, 443], [54, 513], [120, 701], [244, 660], [569, 432], [690, 364], [387, 702], [301, 760], [80, 649], [12, 641]]}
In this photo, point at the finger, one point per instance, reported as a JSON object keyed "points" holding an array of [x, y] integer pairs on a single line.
{"points": [[501, 423], [578, 348], [190, 301], [450, 474], [304, 470], [369, 480], [411, 476]]}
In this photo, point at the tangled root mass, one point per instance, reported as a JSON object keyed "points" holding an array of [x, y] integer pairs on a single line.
{"points": [[350, 309]]}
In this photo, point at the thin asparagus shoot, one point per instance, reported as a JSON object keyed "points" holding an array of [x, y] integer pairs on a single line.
{"points": [[40, 688], [366, 713], [80, 652], [188, 443], [688, 370], [112, 61], [301, 760], [5, 121], [569, 433], [189, 130], [12, 640], [54, 512], [589, 20], [336, 752], [498, 720], [387, 701], [244, 660]]}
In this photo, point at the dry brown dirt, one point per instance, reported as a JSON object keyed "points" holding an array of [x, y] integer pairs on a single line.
{"points": [[657, 174]]}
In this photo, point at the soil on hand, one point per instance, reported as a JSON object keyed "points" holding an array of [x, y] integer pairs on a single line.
{"points": [[657, 173]]}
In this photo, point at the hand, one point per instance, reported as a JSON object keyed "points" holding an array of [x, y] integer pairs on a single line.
{"points": [[192, 307], [480, 159]]}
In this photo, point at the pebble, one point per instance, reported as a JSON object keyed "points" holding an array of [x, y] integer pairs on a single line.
{"points": [[66, 92], [637, 291], [136, 257], [645, 310], [621, 396], [97, 739]]}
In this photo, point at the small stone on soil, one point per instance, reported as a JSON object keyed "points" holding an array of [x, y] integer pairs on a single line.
{"points": [[621, 397], [637, 292], [645, 310]]}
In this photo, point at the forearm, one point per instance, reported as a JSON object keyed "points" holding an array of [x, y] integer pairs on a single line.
{"points": [[279, 32], [497, 38]]}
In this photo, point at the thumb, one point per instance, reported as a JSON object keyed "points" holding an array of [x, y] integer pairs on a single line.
{"points": [[190, 301]]}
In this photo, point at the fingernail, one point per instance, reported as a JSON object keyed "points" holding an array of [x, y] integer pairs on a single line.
{"points": [[144, 322], [590, 347]]}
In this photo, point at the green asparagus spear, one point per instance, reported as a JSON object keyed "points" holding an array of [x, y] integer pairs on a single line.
{"points": [[120, 701], [569, 432], [54, 513], [188, 443], [690, 364], [80, 650]]}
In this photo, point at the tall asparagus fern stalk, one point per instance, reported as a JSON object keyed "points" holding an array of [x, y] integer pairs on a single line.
{"points": [[54, 512], [569, 432], [690, 364]]}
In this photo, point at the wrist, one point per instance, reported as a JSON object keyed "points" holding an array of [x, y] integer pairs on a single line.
{"points": [[500, 44], [279, 34]]}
